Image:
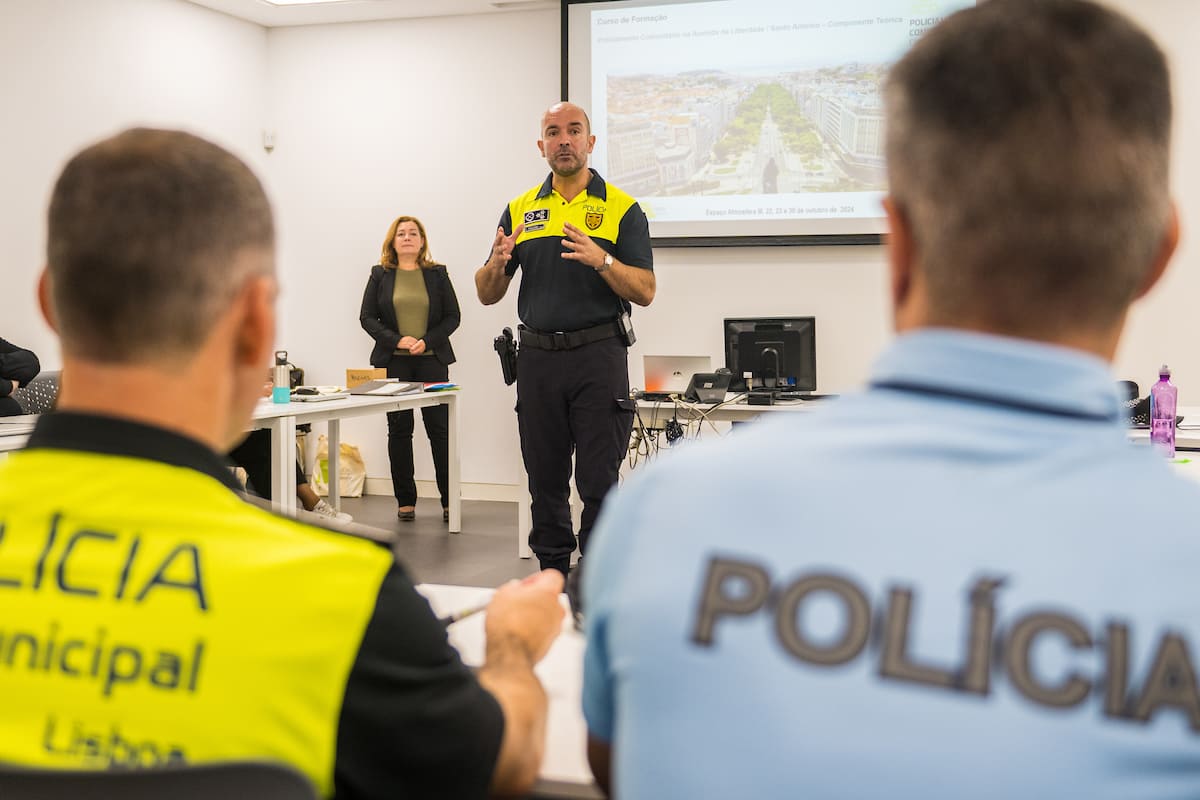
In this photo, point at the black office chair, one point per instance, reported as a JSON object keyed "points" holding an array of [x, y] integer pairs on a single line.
{"points": [[38, 396], [231, 781]]}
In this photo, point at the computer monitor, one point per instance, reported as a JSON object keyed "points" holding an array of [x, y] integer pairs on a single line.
{"points": [[779, 352]]}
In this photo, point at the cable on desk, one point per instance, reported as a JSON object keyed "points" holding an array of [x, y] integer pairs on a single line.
{"points": [[644, 441], [701, 414]]}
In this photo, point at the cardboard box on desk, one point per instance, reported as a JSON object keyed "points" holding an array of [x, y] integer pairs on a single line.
{"points": [[355, 377]]}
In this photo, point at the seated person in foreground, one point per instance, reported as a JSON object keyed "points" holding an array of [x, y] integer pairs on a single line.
{"points": [[965, 581], [18, 367], [149, 614], [253, 454]]}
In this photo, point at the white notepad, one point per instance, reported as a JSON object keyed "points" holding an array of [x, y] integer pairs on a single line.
{"points": [[388, 386], [318, 394]]}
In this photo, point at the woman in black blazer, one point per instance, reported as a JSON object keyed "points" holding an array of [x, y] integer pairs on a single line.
{"points": [[410, 309], [18, 367]]}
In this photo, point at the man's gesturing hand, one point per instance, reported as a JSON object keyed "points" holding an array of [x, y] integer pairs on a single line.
{"points": [[582, 248], [502, 247]]}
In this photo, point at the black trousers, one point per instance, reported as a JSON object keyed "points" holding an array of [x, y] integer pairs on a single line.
{"points": [[426, 369], [571, 401], [9, 407], [254, 456]]}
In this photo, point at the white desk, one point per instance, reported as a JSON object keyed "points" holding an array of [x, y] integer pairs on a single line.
{"points": [[565, 771], [1187, 436], [281, 419], [740, 411], [14, 431]]}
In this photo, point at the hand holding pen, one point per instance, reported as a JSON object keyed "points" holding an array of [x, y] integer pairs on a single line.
{"points": [[525, 613], [523, 617], [471, 611]]}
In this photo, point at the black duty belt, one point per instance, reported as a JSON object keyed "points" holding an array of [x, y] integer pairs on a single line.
{"points": [[566, 340]]}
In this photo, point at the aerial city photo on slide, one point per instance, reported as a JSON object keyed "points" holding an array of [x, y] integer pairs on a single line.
{"points": [[750, 107]]}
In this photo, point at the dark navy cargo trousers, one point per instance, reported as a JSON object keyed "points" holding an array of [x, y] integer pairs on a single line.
{"points": [[571, 402]]}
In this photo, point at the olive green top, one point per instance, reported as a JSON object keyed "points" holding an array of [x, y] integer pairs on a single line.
{"points": [[411, 301]]}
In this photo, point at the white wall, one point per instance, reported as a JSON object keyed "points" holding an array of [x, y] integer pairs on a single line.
{"points": [[1161, 328], [420, 117], [72, 72], [438, 118]]}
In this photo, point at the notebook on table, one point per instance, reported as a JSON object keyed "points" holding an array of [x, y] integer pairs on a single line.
{"points": [[388, 387], [668, 375], [317, 394]]}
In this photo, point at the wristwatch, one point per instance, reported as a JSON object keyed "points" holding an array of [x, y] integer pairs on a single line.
{"points": [[608, 262]]}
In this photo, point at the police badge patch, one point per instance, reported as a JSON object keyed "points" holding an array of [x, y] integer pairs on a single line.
{"points": [[592, 220], [536, 220]]}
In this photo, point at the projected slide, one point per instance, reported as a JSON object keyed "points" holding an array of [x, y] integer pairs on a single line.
{"points": [[748, 111]]}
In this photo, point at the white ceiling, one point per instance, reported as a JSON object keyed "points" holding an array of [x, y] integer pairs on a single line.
{"points": [[272, 16]]}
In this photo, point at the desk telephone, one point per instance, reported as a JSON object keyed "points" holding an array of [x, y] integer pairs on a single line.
{"points": [[1139, 414], [1137, 409]]}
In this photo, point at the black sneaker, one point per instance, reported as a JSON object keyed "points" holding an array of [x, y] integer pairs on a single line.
{"points": [[563, 565], [574, 590]]}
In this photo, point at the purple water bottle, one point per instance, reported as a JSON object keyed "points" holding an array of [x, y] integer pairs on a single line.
{"points": [[1163, 399]]}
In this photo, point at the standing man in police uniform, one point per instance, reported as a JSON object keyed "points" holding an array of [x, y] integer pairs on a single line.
{"points": [[149, 615], [584, 248]]}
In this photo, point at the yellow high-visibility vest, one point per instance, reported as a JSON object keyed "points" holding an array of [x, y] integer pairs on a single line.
{"points": [[150, 616]]}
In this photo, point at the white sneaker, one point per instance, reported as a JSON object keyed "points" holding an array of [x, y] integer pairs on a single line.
{"points": [[325, 510]]}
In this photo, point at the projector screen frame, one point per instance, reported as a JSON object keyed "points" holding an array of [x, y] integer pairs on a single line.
{"points": [[871, 238]]}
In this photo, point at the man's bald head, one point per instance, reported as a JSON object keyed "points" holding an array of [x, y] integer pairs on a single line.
{"points": [[562, 112]]}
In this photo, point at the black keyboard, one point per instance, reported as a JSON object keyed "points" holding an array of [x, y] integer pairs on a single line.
{"points": [[802, 396]]}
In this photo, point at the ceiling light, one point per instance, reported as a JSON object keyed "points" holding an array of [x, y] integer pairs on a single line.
{"points": [[304, 2]]}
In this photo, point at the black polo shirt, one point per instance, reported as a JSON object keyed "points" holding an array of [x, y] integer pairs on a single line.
{"points": [[559, 294]]}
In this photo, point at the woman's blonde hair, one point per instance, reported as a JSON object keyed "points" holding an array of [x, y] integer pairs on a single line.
{"points": [[388, 257]]}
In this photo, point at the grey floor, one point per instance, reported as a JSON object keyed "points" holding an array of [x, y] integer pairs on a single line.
{"points": [[484, 554]]}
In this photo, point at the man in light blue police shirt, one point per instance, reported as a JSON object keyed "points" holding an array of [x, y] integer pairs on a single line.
{"points": [[961, 582]]}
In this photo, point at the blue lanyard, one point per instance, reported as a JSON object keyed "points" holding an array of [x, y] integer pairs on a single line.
{"points": [[1026, 406]]}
